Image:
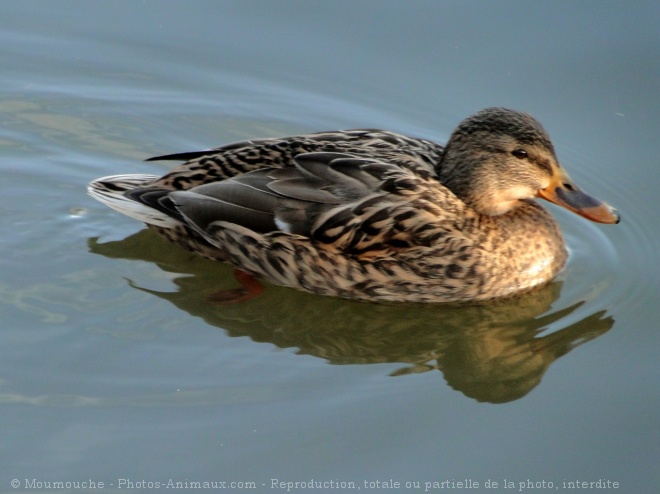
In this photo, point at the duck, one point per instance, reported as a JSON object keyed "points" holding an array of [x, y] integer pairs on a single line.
{"points": [[370, 214]]}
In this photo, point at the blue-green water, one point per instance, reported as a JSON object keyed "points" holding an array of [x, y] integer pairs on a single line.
{"points": [[116, 366]]}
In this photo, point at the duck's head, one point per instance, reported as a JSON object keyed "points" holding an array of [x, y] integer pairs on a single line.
{"points": [[497, 157]]}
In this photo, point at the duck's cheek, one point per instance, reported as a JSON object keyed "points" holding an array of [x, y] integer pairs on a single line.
{"points": [[504, 201]]}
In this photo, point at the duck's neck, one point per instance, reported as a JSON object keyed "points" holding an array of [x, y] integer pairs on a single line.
{"points": [[472, 184], [456, 177]]}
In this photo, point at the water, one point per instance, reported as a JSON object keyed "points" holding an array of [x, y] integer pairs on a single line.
{"points": [[117, 367]]}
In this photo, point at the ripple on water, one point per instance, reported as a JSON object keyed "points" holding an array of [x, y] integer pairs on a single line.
{"points": [[608, 264]]}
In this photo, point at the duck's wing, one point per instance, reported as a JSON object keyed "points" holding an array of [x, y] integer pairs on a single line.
{"points": [[355, 205], [275, 199]]}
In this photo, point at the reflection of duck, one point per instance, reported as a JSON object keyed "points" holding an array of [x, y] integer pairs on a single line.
{"points": [[491, 352], [371, 214]]}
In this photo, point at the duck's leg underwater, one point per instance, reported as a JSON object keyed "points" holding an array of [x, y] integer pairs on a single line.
{"points": [[249, 288]]}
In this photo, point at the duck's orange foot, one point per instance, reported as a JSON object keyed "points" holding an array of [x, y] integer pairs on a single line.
{"points": [[249, 289]]}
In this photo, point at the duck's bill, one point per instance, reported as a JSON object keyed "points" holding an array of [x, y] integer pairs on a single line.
{"points": [[565, 193]]}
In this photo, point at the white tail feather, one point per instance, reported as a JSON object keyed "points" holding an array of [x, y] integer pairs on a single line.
{"points": [[110, 191]]}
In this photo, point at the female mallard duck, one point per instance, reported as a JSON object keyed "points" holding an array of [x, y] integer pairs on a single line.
{"points": [[370, 214]]}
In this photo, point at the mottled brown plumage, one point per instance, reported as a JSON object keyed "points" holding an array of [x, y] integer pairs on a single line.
{"points": [[370, 214]]}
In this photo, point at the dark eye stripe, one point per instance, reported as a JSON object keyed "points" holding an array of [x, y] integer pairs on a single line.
{"points": [[543, 165]]}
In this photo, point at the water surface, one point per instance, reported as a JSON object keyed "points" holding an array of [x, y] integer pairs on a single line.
{"points": [[116, 363]]}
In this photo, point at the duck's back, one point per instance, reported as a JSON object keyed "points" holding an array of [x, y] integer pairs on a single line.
{"points": [[200, 167]]}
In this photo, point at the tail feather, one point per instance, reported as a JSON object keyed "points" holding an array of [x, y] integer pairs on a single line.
{"points": [[112, 190]]}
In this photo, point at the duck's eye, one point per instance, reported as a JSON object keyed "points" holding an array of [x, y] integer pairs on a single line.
{"points": [[519, 153]]}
